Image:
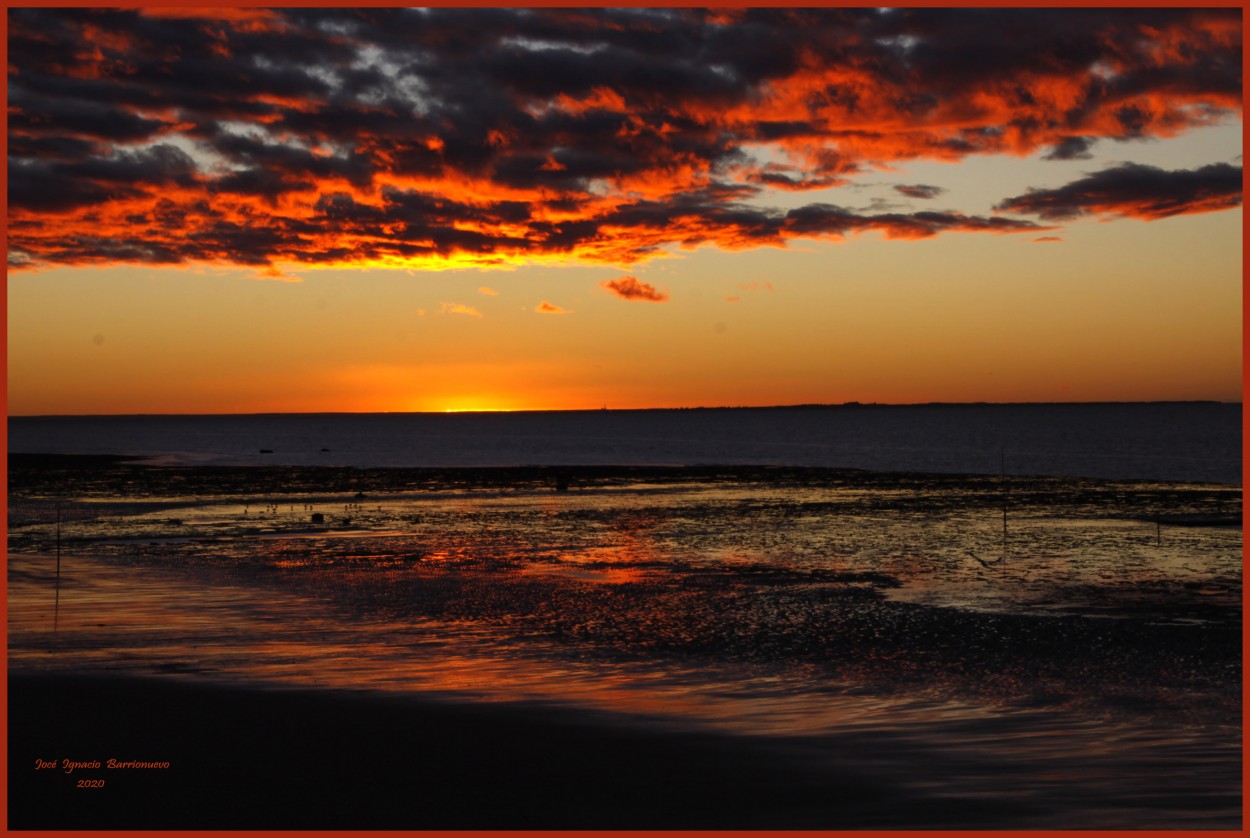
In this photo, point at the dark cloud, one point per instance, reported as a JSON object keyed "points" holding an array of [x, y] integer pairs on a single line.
{"points": [[52, 148], [359, 134], [1071, 148], [159, 165], [34, 116], [44, 188], [1136, 191], [829, 220], [267, 184], [919, 190]]}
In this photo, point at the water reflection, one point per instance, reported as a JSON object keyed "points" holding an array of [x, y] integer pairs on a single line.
{"points": [[786, 610], [147, 619]]}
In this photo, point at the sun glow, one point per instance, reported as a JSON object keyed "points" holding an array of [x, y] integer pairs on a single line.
{"points": [[473, 404], [518, 222]]}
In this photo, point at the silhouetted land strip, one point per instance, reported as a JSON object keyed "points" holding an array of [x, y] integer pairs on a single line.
{"points": [[852, 405]]}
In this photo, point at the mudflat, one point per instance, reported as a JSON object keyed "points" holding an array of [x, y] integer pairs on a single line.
{"points": [[680, 648]]}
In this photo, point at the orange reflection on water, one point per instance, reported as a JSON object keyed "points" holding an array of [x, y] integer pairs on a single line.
{"points": [[146, 620], [618, 557], [601, 595]]}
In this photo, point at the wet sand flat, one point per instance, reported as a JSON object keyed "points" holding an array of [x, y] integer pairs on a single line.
{"points": [[672, 648]]}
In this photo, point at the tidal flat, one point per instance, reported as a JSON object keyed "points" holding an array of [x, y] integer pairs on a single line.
{"points": [[890, 650]]}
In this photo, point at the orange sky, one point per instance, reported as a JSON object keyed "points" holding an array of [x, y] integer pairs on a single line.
{"points": [[366, 210]]}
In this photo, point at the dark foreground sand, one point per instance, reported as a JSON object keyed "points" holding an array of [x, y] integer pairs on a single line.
{"points": [[256, 759]]}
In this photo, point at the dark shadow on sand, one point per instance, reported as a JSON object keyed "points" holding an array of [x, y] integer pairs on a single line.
{"points": [[283, 759]]}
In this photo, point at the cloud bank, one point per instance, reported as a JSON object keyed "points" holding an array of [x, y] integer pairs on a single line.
{"points": [[477, 137]]}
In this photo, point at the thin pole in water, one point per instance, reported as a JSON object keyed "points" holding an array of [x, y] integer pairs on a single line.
{"points": [[1002, 455], [56, 608]]}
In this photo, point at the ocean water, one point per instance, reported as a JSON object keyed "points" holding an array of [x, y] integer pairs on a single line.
{"points": [[1165, 441]]}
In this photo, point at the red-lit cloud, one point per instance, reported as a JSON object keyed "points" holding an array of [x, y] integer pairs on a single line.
{"points": [[548, 308], [480, 136], [631, 288]]}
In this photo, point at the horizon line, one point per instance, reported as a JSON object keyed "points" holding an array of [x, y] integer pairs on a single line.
{"points": [[605, 409]]}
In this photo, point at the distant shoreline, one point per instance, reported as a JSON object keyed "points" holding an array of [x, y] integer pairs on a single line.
{"points": [[852, 405]]}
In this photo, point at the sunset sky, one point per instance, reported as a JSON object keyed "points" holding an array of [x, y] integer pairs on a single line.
{"points": [[235, 211]]}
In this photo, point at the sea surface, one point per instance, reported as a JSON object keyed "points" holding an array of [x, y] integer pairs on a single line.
{"points": [[1018, 617], [1164, 441]]}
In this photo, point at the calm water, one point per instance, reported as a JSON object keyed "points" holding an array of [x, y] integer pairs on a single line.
{"points": [[1191, 442]]}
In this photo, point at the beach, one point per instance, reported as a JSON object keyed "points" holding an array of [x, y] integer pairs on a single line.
{"points": [[253, 759], [685, 648]]}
